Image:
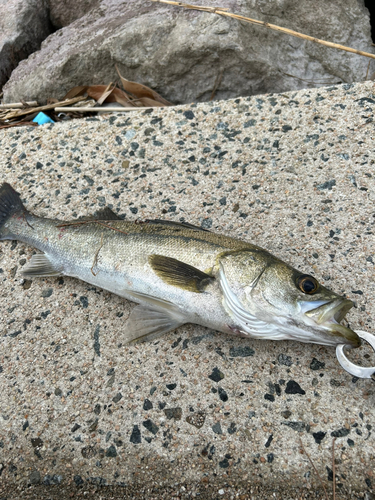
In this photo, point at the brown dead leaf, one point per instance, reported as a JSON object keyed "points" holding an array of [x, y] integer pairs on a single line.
{"points": [[76, 91], [107, 92], [102, 93], [116, 95], [141, 91]]}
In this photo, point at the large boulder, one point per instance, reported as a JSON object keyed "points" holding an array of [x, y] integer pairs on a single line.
{"points": [[181, 53], [24, 24]]}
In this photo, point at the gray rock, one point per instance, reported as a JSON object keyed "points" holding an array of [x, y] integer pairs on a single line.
{"points": [[34, 477], [64, 12], [180, 53], [24, 24]]}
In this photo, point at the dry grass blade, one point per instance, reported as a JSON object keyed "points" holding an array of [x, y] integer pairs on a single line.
{"points": [[223, 12], [315, 469], [142, 91], [96, 256]]}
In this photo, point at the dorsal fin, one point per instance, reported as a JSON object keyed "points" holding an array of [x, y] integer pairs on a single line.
{"points": [[177, 273], [103, 214], [106, 214]]}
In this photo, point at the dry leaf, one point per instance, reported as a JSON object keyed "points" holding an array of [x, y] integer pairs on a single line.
{"points": [[139, 90], [76, 91], [107, 91], [116, 95]]}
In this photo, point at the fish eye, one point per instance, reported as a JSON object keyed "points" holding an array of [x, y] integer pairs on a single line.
{"points": [[307, 284]]}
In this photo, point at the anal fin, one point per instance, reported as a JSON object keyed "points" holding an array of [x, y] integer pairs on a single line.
{"points": [[147, 323], [41, 266]]}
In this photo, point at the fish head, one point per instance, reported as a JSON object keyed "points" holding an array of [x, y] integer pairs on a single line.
{"points": [[267, 298]]}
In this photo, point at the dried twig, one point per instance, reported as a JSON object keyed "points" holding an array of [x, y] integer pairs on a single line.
{"points": [[93, 109], [19, 124], [96, 256], [29, 111], [315, 469], [25, 219], [223, 12], [13, 105]]}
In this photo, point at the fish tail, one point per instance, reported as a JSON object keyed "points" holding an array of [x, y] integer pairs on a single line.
{"points": [[10, 204]]}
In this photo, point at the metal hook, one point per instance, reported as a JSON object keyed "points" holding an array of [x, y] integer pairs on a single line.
{"points": [[352, 368]]}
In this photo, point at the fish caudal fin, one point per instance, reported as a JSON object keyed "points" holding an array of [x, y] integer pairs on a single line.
{"points": [[146, 323], [10, 204]]}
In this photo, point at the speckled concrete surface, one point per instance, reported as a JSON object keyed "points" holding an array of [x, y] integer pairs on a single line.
{"points": [[197, 413]]}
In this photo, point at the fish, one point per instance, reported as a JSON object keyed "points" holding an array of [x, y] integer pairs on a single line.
{"points": [[179, 273]]}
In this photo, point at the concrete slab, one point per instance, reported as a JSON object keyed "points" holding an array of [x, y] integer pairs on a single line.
{"points": [[197, 413]]}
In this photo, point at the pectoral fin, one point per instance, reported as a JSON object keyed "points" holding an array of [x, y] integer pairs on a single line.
{"points": [[177, 273], [146, 323], [40, 265]]}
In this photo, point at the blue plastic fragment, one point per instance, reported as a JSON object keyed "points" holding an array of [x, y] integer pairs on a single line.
{"points": [[42, 118]]}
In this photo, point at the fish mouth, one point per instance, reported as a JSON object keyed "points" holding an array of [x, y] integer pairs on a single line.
{"points": [[329, 316]]}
